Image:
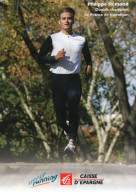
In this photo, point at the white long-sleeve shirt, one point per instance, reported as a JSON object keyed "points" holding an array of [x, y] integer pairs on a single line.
{"points": [[73, 45]]}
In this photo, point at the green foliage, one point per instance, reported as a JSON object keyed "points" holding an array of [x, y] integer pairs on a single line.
{"points": [[3, 141]]}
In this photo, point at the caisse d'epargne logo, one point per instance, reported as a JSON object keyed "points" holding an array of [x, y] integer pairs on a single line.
{"points": [[66, 179], [88, 179]]}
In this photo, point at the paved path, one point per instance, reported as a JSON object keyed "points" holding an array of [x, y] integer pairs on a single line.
{"points": [[19, 178]]}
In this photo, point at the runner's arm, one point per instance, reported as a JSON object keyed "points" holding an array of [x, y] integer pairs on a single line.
{"points": [[88, 59], [45, 49]]}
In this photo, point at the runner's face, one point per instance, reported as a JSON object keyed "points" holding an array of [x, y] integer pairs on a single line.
{"points": [[66, 21]]}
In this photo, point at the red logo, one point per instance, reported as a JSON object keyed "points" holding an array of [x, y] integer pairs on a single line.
{"points": [[66, 179]]}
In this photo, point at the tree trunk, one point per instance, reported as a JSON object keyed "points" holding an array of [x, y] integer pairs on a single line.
{"points": [[101, 153], [130, 142], [85, 153], [108, 154]]}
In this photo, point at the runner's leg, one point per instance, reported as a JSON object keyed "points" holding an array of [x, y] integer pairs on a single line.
{"points": [[59, 100], [73, 95]]}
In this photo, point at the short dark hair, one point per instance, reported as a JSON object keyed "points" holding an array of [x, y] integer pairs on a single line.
{"points": [[67, 9]]}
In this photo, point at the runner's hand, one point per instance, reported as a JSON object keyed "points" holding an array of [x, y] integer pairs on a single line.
{"points": [[60, 54]]}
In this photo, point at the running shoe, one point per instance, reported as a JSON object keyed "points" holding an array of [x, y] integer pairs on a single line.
{"points": [[70, 149]]}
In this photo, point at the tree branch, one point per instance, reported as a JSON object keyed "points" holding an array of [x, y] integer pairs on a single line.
{"points": [[25, 36]]}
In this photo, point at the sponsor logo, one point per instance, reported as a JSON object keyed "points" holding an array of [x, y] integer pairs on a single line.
{"points": [[42, 179], [66, 179], [88, 179]]}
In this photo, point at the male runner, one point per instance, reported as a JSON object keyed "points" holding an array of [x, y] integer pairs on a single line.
{"points": [[66, 48]]}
